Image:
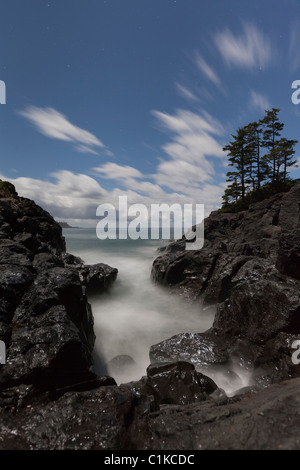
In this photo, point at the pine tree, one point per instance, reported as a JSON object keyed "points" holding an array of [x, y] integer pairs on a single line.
{"points": [[258, 154], [238, 152], [286, 152], [233, 191], [257, 165], [271, 138]]}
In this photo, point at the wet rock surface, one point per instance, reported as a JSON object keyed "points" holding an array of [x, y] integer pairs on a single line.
{"points": [[51, 399], [267, 419], [118, 418], [248, 269], [45, 317], [177, 383], [97, 278]]}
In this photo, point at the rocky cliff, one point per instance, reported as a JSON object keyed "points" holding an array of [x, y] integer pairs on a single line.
{"points": [[45, 318], [50, 398], [249, 270]]}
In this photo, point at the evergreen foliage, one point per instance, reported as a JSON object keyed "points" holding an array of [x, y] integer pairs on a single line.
{"points": [[259, 158]]}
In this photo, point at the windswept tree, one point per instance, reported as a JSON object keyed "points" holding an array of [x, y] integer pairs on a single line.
{"points": [[258, 168], [272, 128], [286, 152], [258, 154], [238, 153]]}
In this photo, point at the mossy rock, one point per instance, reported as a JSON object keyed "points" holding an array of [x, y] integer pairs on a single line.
{"points": [[7, 189]]}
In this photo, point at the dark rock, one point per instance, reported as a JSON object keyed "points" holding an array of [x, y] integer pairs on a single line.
{"points": [[90, 383], [5, 332], [14, 282], [198, 349], [50, 399], [7, 189], [97, 278], [15, 253], [176, 383], [266, 420], [46, 353], [173, 383], [89, 420], [28, 240], [43, 261], [117, 418], [288, 260], [46, 321], [249, 269], [71, 260]]}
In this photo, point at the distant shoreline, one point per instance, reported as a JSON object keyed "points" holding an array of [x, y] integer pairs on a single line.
{"points": [[65, 225]]}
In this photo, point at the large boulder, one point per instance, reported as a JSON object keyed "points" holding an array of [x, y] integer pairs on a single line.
{"points": [[177, 383]]}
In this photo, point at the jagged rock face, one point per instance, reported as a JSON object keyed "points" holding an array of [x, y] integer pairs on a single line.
{"points": [[96, 419], [265, 420], [249, 268], [120, 418], [50, 400], [45, 318]]}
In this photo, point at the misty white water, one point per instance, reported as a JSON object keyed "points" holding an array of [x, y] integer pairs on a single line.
{"points": [[136, 313]]}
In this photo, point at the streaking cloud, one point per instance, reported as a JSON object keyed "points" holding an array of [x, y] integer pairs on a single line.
{"points": [[247, 50], [55, 125], [186, 93], [206, 69], [259, 101]]}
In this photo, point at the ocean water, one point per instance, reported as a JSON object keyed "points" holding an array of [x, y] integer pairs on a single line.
{"points": [[136, 313]]}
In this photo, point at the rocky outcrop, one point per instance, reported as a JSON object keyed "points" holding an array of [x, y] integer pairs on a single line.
{"points": [[176, 383], [46, 320], [96, 278], [248, 269], [120, 418], [50, 398], [264, 420]]}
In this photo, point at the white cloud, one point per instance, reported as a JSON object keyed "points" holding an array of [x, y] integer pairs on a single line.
{"points": [[185, 93], [129, 178], [118, 172], [188, 167], [259, 101], [70, 196], [55, 125], [188, 122], [86, 149], [183, 175], [250, 49], [206, 69]]}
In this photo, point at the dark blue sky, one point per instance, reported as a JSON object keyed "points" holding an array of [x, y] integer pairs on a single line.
{"points": [[137, 97]]}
